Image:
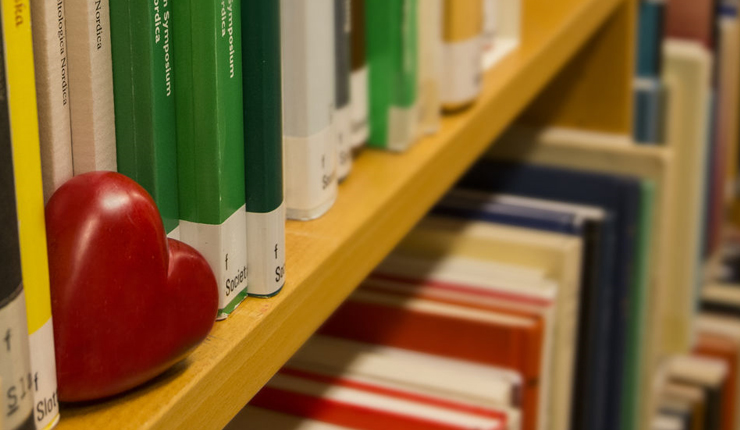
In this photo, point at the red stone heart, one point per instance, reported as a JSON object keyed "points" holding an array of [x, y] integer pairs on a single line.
{"points": [[127, 302]]}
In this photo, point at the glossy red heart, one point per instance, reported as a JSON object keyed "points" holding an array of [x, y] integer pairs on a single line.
{"points": [[127, 302]]}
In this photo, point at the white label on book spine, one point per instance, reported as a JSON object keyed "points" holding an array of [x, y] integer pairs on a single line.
{"points": [[224, 246], [266, 250], [44, 375], [15, 374], [52, 89], [91, 86], [310, 180], [461, 71], [359, 101], [343, 128]]}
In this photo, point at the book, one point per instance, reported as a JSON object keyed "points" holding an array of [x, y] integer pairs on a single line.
{"points": [[21, 91], [490, 25], [392, 54], [706, 373], [430, 65], [92, 114], [690, 394], [462, 79], [617, 154], [342, 116], [665, 421], [144, 99], [727, 328], [725, 349], [456, 261], [52, 93], [501, 30], [649, 119], [456, 380], [678, 408], [17, 406], [307, 41], [650, 25], [210, 140], [729, 91], [263, 134], [347, 402], [454, 331], [620, 195], [721, 298], [251, 417], [691, 20], [358, 78]]}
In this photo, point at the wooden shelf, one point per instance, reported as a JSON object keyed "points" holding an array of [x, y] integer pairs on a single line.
{"points": [[383, 198]]}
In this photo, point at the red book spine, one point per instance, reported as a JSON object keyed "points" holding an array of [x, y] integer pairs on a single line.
{"points": [[725, 349]]}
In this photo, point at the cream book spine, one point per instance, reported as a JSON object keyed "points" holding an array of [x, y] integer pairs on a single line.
{"points": [[91, 86], [52, 92]]}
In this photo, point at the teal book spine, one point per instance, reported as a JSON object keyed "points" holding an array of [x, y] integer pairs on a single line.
{"points": [[263, 146], [342, 94], [392, 63], [307, 30], [144, 100], [210, 140]]}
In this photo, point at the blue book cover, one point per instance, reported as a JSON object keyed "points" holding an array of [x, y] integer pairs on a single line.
{"points": [[598, 405], [649, 117], [650, 37]]}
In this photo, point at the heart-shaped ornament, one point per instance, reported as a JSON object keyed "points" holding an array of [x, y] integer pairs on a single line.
{"points": [[127, 302]]}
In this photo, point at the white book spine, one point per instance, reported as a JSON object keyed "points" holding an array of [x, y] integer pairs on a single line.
{"points": [[52, 92], [308, 100], [91, 86], [343, 69]]}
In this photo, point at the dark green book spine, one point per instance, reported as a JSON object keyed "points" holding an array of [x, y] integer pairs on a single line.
{"points": [[144, 100], [15, 365], [263, 146], [210, 139]]}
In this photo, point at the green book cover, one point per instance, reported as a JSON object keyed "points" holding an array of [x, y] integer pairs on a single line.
{"points": [[636, 380], [307, 31], [263, 146], [144, 100], [392, 62], [210, 139]]}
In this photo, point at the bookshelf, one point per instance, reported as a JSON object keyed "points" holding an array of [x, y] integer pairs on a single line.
{"points": [[383, 198]]}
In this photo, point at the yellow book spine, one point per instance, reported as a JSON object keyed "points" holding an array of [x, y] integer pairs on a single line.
{"points": [[27, 162]]}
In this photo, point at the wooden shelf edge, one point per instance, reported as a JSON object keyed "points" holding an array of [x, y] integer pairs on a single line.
{"points": [[327, 258]]}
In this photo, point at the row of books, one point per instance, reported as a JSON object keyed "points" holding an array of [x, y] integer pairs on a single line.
{"points": [[547, 262], [232, 115]]}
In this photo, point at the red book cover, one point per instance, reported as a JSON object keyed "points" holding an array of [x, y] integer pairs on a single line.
{"points": [[690, 19], [727, 350], [343, 411], [514, 346]]}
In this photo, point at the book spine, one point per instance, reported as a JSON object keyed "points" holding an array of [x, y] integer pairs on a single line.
{"points": [[490, 25], [52, 89], [91, 86], [359, 84], [263, 134], [392, 60], [463, 49], [430, 65], [650, 38], [142, 53], [210, 140], [308, 89], [342, 88], [30, 205], [16, 410]]}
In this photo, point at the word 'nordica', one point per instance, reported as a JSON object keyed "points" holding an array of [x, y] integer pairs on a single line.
{"points": [[98, 25], [162, 30], [62, 50], [228, 11]]}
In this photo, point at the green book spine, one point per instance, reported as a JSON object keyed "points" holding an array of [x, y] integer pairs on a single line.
{"points": [[210, 140], [263, 146], [144, 100], [637, 380], [392, 61], [307, 30], [342, 70]]}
